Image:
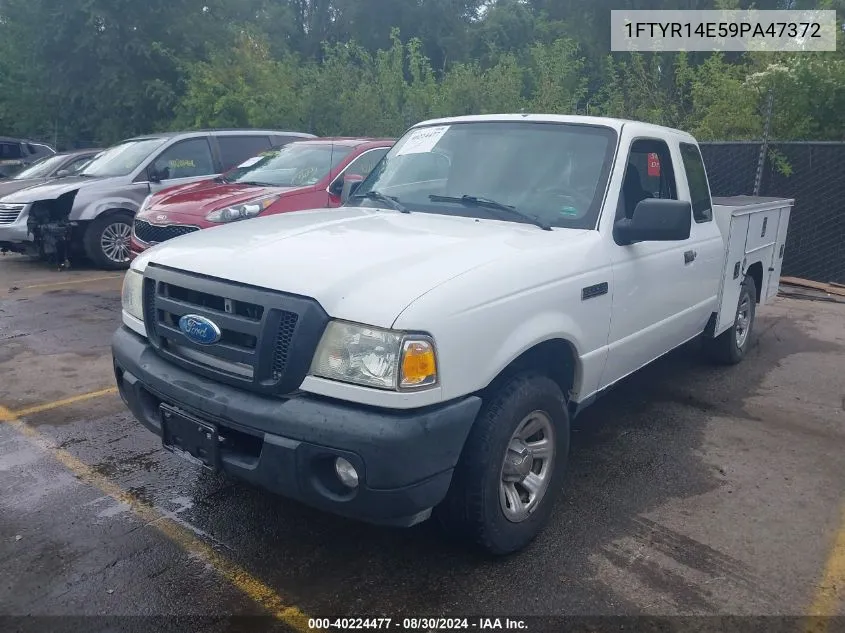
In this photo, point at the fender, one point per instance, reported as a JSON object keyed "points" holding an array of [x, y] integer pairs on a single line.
{"points": [[96, 207], [542, 328]]}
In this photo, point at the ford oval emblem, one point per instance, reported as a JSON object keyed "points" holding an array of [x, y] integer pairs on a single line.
{"points": [[199, 329]]}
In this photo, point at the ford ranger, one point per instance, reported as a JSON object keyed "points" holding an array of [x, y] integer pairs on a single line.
{"points": [[421, 350]]}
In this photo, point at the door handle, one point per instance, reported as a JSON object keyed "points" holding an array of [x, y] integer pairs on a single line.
{"points": [[689, 256]]}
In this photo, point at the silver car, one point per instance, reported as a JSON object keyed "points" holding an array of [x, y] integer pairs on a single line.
{"points": [[91, 213]]}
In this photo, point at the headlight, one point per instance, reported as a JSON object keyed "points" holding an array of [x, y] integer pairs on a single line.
{"points": [[132, 296], [241, 211], [145, 204], [375, 358]]}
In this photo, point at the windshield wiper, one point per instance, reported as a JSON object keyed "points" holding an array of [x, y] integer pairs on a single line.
{"points": [[377, 195], [487, 203], [254, 183]]}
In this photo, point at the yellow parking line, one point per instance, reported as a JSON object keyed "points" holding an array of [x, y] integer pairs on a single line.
{"points": [[830, 592], [68, 283], [255, 589], [20, 413]]}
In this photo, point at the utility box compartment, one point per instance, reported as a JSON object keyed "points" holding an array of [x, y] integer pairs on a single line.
{"points": [[754, 229]]}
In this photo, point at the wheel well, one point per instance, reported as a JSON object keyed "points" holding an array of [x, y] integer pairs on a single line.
{"points": [[115, 211], [755, 271], [555, 359]]}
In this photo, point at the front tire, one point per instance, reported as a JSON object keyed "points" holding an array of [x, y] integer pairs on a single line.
{"points": [[510, 472], [731, 346], [106, 240]]}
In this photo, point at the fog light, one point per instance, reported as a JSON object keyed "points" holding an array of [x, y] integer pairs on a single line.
{"points": [[346, 472]]}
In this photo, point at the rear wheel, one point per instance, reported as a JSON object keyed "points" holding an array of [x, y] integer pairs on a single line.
{"points": [[106, 240], [509, 476], [731, 346]]}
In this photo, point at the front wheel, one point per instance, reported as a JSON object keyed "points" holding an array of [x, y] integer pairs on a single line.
{"points": [[106, 240], [509, 475], [731, 346]]}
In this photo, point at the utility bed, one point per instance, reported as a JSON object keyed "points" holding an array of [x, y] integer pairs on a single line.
{"points": [[754, 229]]}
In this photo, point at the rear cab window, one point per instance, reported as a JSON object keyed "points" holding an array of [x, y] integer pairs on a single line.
{"points": [[699, 188]]}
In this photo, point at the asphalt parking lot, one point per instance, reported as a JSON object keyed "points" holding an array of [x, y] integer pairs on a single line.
{"points": [[692, 490]]}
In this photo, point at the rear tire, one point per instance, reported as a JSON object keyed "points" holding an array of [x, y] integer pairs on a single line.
{"points": [[106, 240], [510, 472], [731, 346]]}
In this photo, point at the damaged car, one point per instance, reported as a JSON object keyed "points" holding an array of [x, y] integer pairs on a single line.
{"points": [[14, 235], [90, 214]]}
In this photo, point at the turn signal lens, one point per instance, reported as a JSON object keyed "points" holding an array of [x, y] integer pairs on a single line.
{"points": [[419, 366]]}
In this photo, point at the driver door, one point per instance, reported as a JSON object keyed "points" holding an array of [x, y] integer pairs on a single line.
{"points": [[653, 291]]}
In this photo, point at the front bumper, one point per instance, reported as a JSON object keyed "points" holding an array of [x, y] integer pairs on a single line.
{"points": [[404, 459], [15, 236]]}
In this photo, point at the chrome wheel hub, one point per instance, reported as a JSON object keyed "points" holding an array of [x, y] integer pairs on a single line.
{"points": [[527, 466], [115, 242], [743, 320]]}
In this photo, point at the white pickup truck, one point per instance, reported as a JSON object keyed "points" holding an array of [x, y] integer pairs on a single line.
{"points": [[425, 346]]}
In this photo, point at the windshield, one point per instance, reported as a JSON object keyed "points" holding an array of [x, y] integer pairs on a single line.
{"points": [[41, 168], [554, 172], [123, 159], [294, 165]]}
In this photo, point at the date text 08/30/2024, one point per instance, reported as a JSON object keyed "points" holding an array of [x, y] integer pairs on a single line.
{"points": [[417, 624]]}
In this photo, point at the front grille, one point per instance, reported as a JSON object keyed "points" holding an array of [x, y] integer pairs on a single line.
{"points": [[154, 233], [267, 338], [287, 326], [10, 212]]}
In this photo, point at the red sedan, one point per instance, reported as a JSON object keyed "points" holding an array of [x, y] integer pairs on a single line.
{"points": [[299, 176]]}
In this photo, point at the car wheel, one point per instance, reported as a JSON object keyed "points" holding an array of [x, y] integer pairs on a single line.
{"points": [[731, 346], [106, 240], [509, 475]]}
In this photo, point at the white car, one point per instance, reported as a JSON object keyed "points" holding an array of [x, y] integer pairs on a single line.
{"points": [[425, 346]]}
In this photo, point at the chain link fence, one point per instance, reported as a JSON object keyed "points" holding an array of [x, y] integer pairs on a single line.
{"points": [[813, 173]]}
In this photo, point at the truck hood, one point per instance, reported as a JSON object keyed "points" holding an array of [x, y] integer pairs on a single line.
{"points": [[199, 201], [52, 189], [363, 265], [11, 186]]}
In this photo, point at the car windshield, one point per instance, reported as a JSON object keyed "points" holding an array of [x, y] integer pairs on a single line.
{"points": [[123, 159], [41, 168], [555, 173], [294, 165]]}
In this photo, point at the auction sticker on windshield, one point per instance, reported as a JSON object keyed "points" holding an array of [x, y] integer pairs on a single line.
{"points": [[422, 140], [249, 162]]}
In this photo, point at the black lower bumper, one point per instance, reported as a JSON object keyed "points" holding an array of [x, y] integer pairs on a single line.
{"points": [[404, 459]]}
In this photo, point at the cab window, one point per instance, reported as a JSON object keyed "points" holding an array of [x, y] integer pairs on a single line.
{"points": [[186, 159], [648, 174], [364, 164]]}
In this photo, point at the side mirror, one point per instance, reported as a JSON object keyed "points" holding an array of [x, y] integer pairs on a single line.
{"points": [[350, 184], [655, 220], [336, 188], [153, 174], [62, 173]]}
